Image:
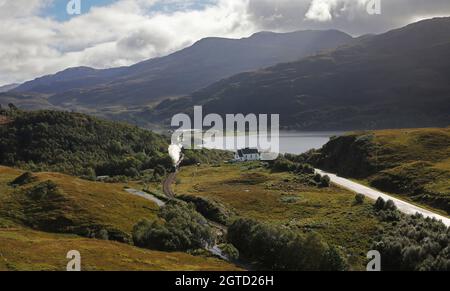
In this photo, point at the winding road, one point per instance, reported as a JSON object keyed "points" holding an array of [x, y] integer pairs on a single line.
{"points": [[403, 206]]}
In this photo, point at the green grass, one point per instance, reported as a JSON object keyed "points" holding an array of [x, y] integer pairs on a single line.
{"points": [[278, 198]]}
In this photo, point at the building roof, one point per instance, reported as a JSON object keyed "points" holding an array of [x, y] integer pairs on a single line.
{"points": [[247, 151]]}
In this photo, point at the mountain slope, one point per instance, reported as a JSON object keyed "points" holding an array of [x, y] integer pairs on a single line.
{"points": [[8, 87], [397, 79], [181, 73]]}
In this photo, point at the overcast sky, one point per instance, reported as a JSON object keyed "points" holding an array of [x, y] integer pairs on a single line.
{"points": [[38, 37]]}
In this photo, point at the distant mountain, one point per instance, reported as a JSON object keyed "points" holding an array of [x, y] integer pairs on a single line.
{"points": [[72, 78], [8, 87], [207, 61], [396, 79]]}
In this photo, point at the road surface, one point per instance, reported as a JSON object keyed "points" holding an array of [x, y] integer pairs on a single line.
{"points": [[403, 206]]}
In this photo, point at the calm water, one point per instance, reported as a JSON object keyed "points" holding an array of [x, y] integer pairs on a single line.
{"points": [[292, 142], [300, 142]]}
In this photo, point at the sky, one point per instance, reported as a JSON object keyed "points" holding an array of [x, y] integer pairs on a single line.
{"points": [[39, 37]]}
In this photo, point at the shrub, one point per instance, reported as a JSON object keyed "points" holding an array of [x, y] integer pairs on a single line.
{"points": [[277, 248], [360, 198], [230, 251], [414, 244], [210, 209], [379, 204], [181, 229], [25, 178], [44, 190], [325, 181], [390, 205]]}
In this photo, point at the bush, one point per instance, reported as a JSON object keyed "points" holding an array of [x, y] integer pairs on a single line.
{"points": [[325, 181], [283, 165], [212, 210], [44, 190], [230, 251], [360, 198], [379, 204], [414, 244], [25, 178], [277, 248], [181, 229], [390, 205]]}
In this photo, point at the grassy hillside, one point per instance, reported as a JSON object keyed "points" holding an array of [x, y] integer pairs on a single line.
{"points": [[27, 250], [281, 199], [59, 203], [414, 162]]}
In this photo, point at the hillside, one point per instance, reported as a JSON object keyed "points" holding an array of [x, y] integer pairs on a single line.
{"points": [[39, 225], [25, 250], [8, 87], [181, 73], [413, 163], [283, 199], [393, 80], [78, 144], [60, 203]]}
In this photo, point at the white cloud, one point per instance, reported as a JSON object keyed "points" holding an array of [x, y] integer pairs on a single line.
{"points": [[129, 31], [119, 34], [326, 10]]}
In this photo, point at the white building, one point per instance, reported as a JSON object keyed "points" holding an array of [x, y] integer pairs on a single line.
{"points": [[247, 154]]}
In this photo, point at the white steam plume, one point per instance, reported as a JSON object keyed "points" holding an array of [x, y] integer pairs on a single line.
{"points": [[175, 153]]}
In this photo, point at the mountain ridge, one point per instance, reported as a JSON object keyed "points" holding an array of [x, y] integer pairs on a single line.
{"points": [[181, 73], [393, 80]]}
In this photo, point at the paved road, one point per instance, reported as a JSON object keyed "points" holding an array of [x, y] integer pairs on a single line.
{"points": [[403, 206]]}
